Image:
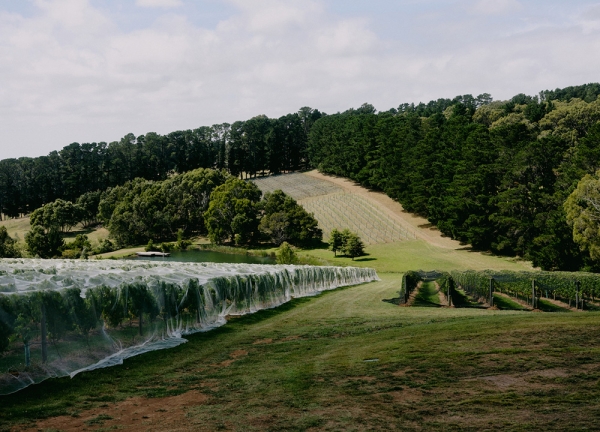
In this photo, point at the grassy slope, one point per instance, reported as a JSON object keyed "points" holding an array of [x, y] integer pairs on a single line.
{"points": [[303, 365], [17, 228]]}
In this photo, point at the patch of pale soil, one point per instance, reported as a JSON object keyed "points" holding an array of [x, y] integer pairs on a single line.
{"points": [[238, 353], [134, 414], [262, 341], [234, 355], [415, 224], [407, 395], [520, 380]]}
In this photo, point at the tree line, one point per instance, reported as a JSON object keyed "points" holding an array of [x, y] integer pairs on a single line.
{"points": [[492, 174], [199, 202], [244, 148]]}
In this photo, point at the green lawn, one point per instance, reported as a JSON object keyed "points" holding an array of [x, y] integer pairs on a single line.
{"points": [[346, 360], [419, 255], [427, 296]]}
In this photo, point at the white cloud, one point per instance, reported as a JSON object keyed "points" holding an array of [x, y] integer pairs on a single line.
{"points": [[71, 74], [158, 3], [496, 7]]}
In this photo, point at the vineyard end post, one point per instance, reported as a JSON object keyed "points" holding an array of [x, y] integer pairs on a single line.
{"points": [[491, 291]]}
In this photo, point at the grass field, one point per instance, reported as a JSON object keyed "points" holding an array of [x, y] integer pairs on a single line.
{"points": [[17, 228], [344, 361]]}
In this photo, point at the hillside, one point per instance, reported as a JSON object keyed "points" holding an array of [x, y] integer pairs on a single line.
{"points": [[17, 228], [340, 203]]}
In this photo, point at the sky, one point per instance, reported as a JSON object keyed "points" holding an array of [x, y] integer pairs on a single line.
{"points": [[92, 70]]}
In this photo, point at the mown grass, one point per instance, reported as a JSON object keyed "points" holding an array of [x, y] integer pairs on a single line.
{"points": [[504, 303], [419, 255], [303, 366], [427, 296], [346, 360]]}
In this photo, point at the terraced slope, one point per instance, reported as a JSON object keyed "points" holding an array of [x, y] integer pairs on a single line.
{"points": [[334, 207]]}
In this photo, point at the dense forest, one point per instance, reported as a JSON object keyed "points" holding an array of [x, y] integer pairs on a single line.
{"points": [[253, 146], [494, 174]]}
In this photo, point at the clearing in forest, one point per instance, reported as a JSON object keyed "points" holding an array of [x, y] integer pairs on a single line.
{"points": [[336, 207]]}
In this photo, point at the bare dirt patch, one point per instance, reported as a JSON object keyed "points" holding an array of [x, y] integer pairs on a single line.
{"points": [[520, 381], [238, 353], [407, 395], [132, 414], [263, 341]]}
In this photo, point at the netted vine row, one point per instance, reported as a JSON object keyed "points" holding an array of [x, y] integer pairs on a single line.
{"points": [[59, 317]]}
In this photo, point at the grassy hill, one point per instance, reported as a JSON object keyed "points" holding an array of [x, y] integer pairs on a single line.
{"points": [[17, 228], [347, 360]]}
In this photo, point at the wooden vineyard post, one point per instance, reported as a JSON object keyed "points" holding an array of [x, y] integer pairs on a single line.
{"points": [[491, 292], [533, 305], [577, 286], [403, 289], [450, 290]]}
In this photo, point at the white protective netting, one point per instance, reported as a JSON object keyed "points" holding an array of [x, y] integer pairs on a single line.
{"points": [[61, 317]]}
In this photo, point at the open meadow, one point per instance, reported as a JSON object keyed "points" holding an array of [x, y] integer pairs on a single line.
{"points": [[348, 360]]}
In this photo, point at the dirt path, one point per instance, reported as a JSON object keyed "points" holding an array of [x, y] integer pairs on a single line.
{"points": [[415, 224]]}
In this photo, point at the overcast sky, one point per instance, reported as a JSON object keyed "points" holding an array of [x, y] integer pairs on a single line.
{"points": [[91, 70]]}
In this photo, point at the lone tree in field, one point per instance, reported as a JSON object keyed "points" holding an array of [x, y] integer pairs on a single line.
{"points": [[347, 242], [354, 246], [336, 241]]}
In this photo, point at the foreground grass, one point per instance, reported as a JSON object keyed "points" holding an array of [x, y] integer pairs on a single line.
{"points": [[348, 361]]}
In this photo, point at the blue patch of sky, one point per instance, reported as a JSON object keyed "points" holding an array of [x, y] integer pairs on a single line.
{"points": [[128, 16], [424, 21], [390, 19]]}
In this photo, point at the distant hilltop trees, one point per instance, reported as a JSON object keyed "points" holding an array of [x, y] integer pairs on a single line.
{"points": [[494, 174]]}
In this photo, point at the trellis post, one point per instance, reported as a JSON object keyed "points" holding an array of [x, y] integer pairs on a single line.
{"points": [[577, 286], [533, 294], [491, 291]]}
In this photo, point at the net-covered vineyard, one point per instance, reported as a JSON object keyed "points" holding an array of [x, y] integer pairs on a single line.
{"points": [[58, 318]]}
